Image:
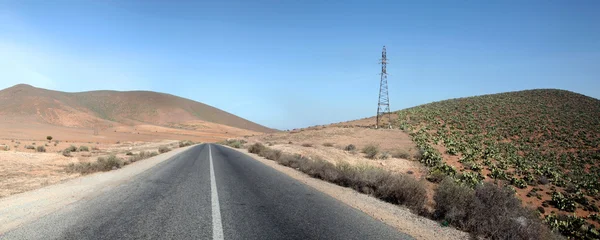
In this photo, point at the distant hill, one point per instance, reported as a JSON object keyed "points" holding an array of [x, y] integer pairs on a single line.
{"points": [[544, 142], [111, 108]]}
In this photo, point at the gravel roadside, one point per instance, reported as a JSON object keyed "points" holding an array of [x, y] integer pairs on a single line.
{"points": [[21, 208], [396, 216]]}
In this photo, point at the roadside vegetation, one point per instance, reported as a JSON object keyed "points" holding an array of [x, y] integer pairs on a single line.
{"points": [[487, 210], [112, 162], [545, 144], [234, 143]]}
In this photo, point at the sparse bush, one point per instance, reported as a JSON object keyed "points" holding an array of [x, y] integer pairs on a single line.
{"points": [[488, 211], [83, 168], [29, 147], [401, 154], [370, 151], [141, 155], [307, 145], [163, 149], [452, 202], [84, 149], [5, 148], [185, 143], [234, 143], [256, 148], [436, 176], [49, 138], [327, 144], [66, 153], [129, 154], [72, 148], [95, 148], [271, 154], [384, 155], [404, 190], [350, 147], [108, 163], [41, 149]]}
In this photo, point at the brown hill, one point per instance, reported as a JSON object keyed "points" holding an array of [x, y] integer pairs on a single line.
{"points": [[107, 109]]}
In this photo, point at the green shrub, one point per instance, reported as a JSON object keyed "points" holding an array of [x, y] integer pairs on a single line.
{"points": [[562, 202], [163, 149], [84, 149], [41, 149], [571, 226], [370, 151]]}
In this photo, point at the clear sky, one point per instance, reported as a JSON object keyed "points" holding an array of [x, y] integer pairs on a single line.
{"points": [[289, 64]]}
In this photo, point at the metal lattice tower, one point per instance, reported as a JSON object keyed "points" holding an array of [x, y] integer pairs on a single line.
{"points": [[383, 107]]}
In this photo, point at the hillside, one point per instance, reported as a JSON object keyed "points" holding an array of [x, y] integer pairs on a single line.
{"points": [[545, 143], [104, 109]]}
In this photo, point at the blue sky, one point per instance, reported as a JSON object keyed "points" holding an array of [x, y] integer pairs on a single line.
{"points": [[289, 64]]}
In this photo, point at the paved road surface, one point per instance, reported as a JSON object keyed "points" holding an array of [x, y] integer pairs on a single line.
{"points": [[208, 192]]}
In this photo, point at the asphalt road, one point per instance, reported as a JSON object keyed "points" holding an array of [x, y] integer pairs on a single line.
{"points": [[208, 192]]}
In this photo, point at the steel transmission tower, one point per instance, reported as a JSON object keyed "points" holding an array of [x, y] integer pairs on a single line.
{"points": [[383, 107]]}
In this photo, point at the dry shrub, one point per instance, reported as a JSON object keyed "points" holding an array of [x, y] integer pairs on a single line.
{"points": [[327, 144], [101, 164], [489, 211], [350, 147], [142, 155], [66, 153], [107, 164], [256, 148], [452, 202], [370, 151], [163, 149], [185, 143], [72, 148], [307, 145], [84, 149], [41, 149], [271, 154], [393, 188], [401, 154]]}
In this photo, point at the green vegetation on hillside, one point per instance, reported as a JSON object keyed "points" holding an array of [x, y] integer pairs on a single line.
{"points": [[526, 139]]}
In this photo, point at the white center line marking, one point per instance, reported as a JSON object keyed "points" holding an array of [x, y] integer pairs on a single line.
{"points": [[216, 209]]}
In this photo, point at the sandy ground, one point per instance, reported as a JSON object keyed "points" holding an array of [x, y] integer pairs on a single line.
{"points": [[23, 169], [398, 217], [196, 131], [388, 140], [20, 208]]}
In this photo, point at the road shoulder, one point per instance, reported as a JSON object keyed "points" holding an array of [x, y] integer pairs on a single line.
{"points": [[396, 216], [22, 208]]}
